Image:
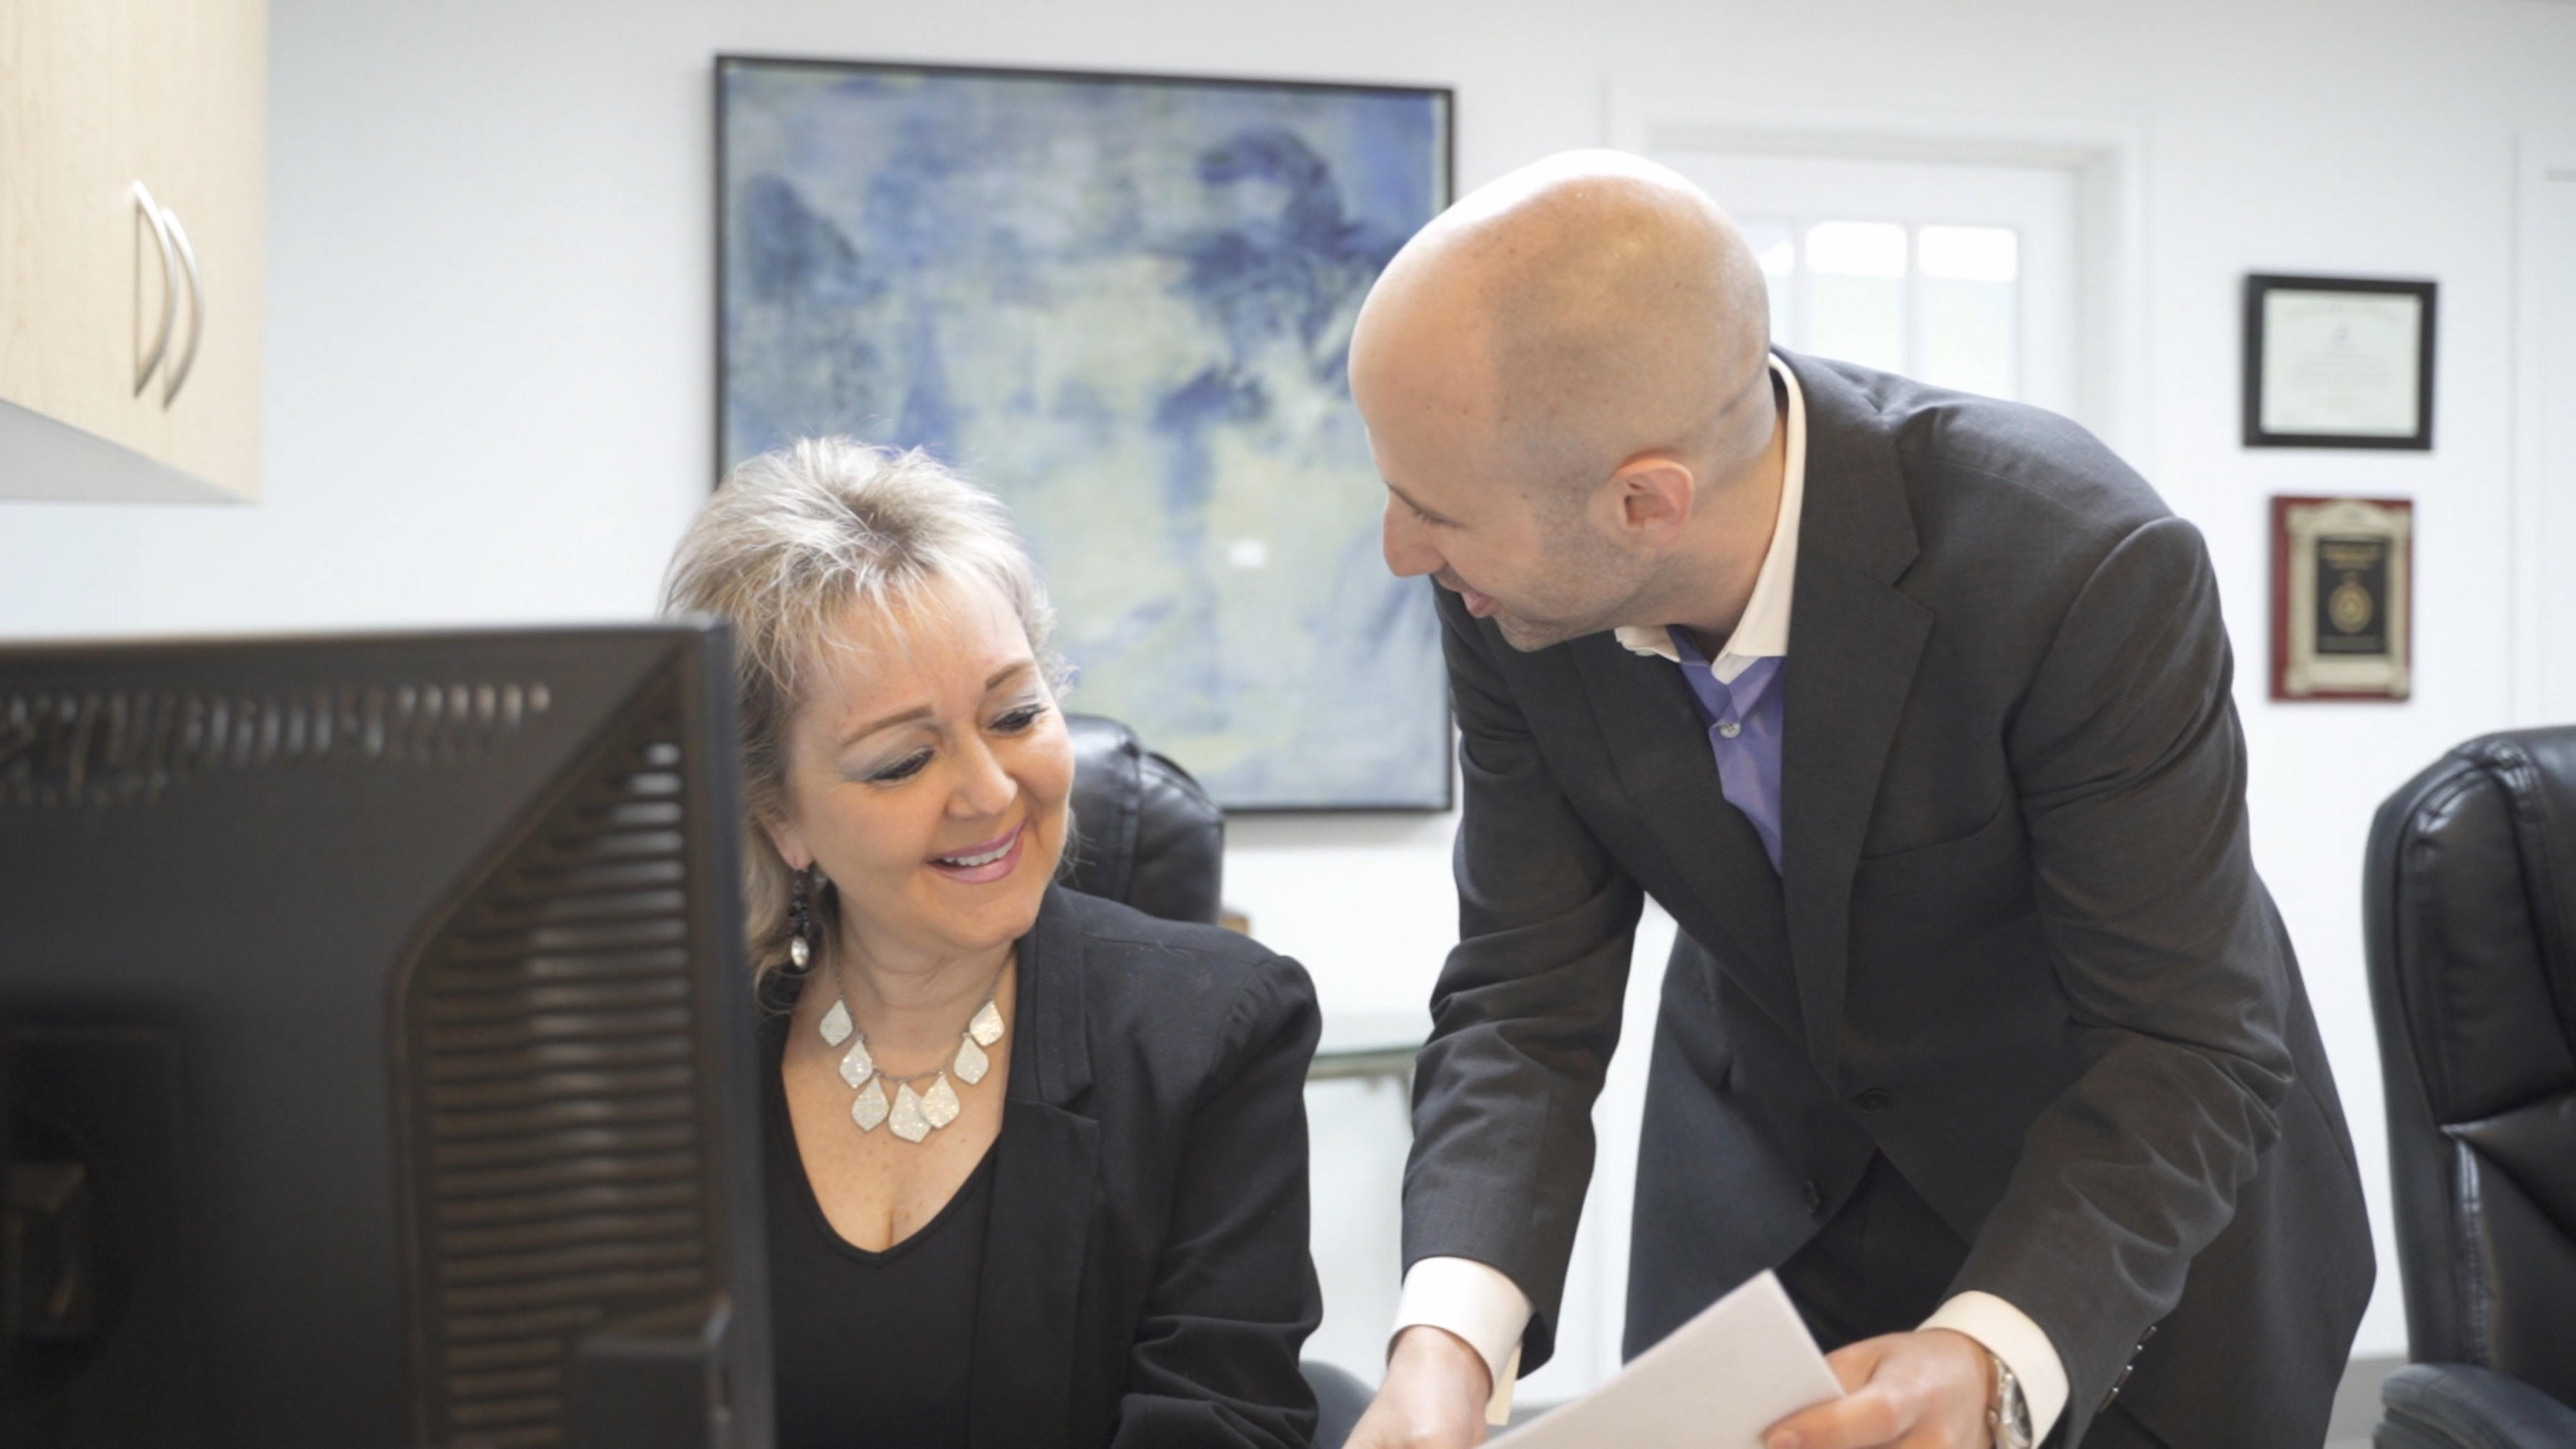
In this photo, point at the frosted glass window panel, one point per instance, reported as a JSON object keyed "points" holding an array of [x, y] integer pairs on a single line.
{"points": [[1971, 316], [1858, 319], [1970, 253], [1856, 292], [1774, 244], [1969, 336], [1856, 249], [1971, 308]]}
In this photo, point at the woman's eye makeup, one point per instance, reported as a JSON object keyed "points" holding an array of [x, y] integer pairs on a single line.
{"points": [[1014, 720], [1019, 716], [900, 770]]}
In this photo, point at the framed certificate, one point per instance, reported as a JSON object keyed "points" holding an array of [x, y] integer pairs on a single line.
{"points": [[2338, 362], [2343, 598]]}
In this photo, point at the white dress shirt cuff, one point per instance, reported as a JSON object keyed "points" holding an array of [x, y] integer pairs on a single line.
{"points": [[2008, 1334], [1479, 1305]]}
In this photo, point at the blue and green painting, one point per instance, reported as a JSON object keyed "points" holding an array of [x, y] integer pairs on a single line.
{"points": [[1124, 305]]}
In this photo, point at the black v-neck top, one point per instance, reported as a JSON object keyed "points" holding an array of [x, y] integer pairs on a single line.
{"points": [[1139, 1270], [866, 1348]]}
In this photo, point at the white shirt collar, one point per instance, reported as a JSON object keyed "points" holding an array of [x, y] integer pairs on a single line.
{"points": [[1763, 632]]}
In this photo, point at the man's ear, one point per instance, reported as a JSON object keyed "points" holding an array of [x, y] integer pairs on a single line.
{"points": [[1649, 500]]}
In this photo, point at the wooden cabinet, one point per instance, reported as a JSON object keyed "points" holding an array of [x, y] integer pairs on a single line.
{"points": [[104, 103]]}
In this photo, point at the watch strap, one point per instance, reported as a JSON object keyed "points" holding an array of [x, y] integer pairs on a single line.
{"points": [[2007, 1413]]}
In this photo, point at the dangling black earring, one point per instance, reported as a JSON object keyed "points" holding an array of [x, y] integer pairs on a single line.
{"points": [[800, 919]]}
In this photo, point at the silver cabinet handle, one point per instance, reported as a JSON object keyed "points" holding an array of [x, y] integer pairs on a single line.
{"points": [[169, 287], [196, 308]]}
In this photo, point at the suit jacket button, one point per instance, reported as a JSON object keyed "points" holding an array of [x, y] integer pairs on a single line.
{"points": [[1876, 1099], [1815, 1197]]}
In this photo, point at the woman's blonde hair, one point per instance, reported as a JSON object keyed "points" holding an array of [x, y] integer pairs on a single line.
{"points": [[791, 544]]}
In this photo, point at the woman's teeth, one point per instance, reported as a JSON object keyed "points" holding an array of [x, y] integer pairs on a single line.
{"points": [[986, 858]]}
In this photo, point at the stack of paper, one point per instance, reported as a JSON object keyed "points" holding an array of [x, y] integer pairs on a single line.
{"points": [[1744, 1364]]}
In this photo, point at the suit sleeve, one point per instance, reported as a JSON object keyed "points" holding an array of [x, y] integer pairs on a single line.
{"points": [[1234, 1294], [1526, 1011], [2131, 771]]}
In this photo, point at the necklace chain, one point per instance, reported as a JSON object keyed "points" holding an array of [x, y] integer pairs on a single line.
{"points": [[911, 1115]]}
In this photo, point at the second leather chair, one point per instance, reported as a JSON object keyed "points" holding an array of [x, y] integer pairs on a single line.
{"points": [[2470, 921]]}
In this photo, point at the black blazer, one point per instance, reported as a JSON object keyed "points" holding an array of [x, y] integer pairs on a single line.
{"points": [[1146, 1278], [2016, 943]]}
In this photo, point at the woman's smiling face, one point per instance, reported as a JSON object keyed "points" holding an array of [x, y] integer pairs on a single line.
{"points": [[927, 772]]}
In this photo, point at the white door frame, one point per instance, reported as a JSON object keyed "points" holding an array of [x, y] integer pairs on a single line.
{"points": [[2541, 159], [2106, 157], [2037, 203]]}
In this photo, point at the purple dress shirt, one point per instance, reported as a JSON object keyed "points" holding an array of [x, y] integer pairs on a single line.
{"points": [[1743, 720]]}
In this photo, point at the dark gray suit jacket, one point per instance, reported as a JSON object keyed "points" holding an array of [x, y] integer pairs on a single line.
{"points": [[2016, 942]]}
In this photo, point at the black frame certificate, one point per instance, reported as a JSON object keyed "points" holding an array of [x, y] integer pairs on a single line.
{"points": [[2338, 362], [2342, 598]]}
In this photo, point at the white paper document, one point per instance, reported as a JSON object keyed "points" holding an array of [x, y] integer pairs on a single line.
{"points": [[1744, 1364]]}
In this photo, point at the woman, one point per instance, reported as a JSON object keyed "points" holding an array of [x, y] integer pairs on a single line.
{"points": [[1036, 1163]]}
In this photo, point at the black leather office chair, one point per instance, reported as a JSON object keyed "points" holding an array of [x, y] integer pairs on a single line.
{"points": [[2469, 908], [1146, 834]]}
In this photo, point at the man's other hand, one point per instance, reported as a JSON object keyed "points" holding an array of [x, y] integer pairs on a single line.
{"points": [[1433, 1398], [1905, 1391]]}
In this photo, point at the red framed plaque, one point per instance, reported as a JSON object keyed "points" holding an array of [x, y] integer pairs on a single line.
{"points": [[2343, 598]]}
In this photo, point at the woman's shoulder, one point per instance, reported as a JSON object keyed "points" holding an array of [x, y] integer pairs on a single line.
{"points": [[1183, 974], [1110, 928]]}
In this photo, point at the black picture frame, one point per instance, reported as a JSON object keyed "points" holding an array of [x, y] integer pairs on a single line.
{"points": [[1431, 788], [2259, 363]]}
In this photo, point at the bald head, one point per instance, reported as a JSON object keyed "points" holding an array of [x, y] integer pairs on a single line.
{"points": [[1566, 318]]}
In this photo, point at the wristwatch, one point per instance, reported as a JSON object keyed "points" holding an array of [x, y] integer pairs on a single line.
{"points": [[2007, 1415]]}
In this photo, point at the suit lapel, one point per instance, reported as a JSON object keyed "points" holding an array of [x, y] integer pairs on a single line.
{"points": [[1731, 900], [1854, 644], [1045, 1196]]}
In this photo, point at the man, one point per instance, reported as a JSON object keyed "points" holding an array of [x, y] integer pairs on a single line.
{"points": [[1912, 708]]}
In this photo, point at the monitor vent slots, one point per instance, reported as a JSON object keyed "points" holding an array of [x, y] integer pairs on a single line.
{"points": [[549, 1034], [108, 747]]}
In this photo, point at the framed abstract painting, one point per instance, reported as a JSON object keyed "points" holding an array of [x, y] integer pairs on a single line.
{"points": [[1124, 304]]}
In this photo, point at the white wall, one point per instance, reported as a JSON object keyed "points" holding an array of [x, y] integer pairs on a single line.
{"points": [[489, 363]]}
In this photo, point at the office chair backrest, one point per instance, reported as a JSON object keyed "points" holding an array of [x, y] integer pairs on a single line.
{"points": [[2469, 903], [1145, 833]]}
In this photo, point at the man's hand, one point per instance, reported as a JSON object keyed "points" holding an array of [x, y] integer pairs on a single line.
{"points": [[1905, 1391], [1433, 1398]]}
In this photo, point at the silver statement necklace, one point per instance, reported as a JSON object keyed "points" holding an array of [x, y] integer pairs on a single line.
{"points": [[910, 1114]]}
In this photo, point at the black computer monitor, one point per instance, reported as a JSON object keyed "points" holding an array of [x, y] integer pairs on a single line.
{"points": [[375, 1045]]}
